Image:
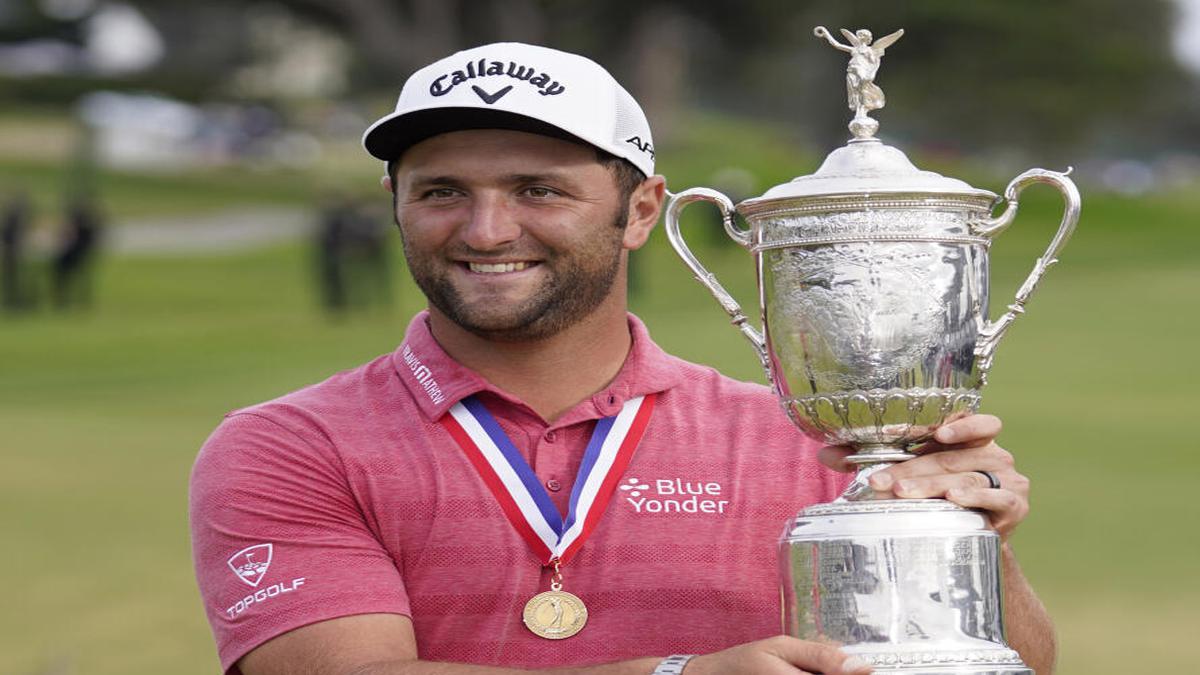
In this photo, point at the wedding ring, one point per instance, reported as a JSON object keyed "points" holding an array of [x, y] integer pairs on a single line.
{"points": [[993, 481]]}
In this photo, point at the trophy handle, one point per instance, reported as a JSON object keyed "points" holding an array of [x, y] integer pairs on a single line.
{"points": [[991, 331], [674, 208]]}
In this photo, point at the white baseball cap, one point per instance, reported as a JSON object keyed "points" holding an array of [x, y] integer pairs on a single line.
{"points": [[509, 85]]}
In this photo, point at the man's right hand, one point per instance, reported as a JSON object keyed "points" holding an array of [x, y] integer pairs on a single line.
{"points": [[780, 655], [384, 644]]}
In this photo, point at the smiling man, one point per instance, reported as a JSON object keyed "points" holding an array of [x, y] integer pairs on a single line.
{"points": [[528, 481]]}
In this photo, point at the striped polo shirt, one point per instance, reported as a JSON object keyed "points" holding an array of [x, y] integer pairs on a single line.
{"points": [[348, 497]]}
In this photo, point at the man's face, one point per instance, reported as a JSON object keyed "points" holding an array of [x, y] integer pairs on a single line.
{"points": [[512, 236]]}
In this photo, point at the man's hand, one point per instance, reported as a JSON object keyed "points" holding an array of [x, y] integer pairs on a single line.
{"points": [[949, 466], [780, 655], [384, 644]]}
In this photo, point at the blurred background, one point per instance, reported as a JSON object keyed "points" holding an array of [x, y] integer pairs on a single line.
{"points": [[188, 225]]}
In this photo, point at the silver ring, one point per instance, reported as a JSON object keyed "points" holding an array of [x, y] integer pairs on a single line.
{"points": [[993, 481]]}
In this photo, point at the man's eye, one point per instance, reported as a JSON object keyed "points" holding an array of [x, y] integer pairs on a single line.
{"points": [[441, 193], [539, 192]]}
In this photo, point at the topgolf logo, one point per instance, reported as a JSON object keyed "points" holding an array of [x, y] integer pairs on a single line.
{"points": [[251, 564]]}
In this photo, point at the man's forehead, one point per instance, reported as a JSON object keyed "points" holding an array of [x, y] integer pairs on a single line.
{"points": [[499, 149]]}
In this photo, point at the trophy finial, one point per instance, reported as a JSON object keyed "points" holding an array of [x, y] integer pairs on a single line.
{"points": [[863, 94]]}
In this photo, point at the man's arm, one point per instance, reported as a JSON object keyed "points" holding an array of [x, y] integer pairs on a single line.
{"points": [[1030, 629], [384, 644], [949, 466]]}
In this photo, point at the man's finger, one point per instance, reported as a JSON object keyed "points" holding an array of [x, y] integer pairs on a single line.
{"points": [[971, 427], [989, 458], [818, 658], [930, 447], [834, 457], [1005, 508], [929, 487]]}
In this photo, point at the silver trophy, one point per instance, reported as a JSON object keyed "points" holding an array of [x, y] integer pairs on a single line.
{"points": [[873, 288]]}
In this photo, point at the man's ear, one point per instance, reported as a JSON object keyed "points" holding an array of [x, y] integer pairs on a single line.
{"points": [[645, 205], [386, 182]]}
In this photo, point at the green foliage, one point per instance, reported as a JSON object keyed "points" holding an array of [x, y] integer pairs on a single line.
{"points": [[984, 74], [1021, 74]]}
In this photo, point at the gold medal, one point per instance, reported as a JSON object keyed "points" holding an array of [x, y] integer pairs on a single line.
{"points": [[555, 614]]}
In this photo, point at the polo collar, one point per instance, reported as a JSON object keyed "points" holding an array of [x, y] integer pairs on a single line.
{"points": [[436, 381]]}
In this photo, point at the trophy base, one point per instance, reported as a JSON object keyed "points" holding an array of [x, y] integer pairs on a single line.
{"points": [[952, 670], [986, 662], [912, 586]]}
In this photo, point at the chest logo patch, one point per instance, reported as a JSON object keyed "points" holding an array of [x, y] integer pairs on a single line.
{"points": [[675, 495]]}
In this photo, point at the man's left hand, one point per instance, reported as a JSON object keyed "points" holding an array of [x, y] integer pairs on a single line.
{"points": [[948, 466]]}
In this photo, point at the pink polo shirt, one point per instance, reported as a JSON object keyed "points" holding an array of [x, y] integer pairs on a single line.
{"points": [[348, 497]]}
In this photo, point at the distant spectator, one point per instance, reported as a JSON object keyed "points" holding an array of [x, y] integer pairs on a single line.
{"points": [[367, 259], [76, 251], [351, 253], [14, 222], [330, 257]]}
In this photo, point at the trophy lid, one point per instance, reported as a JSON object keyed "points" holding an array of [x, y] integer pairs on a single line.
{"points": [[865, 165], [869, 167]]}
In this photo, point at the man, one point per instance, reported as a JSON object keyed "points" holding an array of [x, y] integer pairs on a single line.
{"points": [[528, 481]]}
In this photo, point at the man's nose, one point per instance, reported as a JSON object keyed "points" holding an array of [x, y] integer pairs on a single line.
{"points": [[492, 224]]}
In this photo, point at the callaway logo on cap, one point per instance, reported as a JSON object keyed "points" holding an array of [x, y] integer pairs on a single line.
{"points": [[517, 86]]}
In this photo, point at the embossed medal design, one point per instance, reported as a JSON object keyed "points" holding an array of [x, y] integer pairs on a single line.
{"points": [[555, 615]]}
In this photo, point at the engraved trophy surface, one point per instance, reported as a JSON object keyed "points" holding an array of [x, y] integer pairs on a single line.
{"points": [[873, 294]]}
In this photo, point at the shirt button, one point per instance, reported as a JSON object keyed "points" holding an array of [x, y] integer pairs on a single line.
{"points": [[550, 436], [554, 485], [607, 404]]}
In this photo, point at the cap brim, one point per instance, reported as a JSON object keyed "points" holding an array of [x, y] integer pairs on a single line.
{"points": [[388, 138]]}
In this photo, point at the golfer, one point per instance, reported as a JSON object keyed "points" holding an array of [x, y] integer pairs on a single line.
{"points": [[528, 481]]}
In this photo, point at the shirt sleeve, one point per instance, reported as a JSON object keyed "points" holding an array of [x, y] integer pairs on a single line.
{"points": [[279, 540]]}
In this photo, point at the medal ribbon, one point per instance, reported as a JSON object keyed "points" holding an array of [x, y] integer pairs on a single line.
{"points": [[519, 492]]}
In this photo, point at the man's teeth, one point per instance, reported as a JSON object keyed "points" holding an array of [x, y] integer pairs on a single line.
{"points": [[496, 268]]}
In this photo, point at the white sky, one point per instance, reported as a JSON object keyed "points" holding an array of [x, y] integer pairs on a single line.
{"points": [[1187, 34], [121, 40]]}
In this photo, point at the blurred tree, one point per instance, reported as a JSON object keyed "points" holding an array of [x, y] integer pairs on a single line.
{"points": [[966, 76], [1023, 72], [22, 20]]}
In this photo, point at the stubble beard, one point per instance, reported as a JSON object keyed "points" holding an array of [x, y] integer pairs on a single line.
{"points": [[576, 286]]}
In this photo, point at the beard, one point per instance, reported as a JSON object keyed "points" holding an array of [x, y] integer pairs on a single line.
{"points": [[579, 280]]}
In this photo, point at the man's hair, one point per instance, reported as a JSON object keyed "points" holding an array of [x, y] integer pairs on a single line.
{"points": [[626, 175]]}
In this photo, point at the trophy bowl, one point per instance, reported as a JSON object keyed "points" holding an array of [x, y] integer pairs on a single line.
{"points": [[873, 290], [873, 299]]}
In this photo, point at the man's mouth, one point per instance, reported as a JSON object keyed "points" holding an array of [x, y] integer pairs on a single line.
{"points": [[498, 268]]}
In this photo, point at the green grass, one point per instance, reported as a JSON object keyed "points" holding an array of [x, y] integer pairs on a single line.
{"points": [[101, 414]]}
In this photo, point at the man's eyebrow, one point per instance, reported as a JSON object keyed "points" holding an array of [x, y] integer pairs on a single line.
{"points": [[418, 180], [560, 177], [529, 177]]}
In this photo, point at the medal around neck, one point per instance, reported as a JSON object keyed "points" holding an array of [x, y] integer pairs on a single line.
{"points": [[873, 292], [553, 614]]}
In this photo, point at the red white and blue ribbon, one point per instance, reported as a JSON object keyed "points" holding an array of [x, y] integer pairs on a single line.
{"points": [[519, 491]]}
